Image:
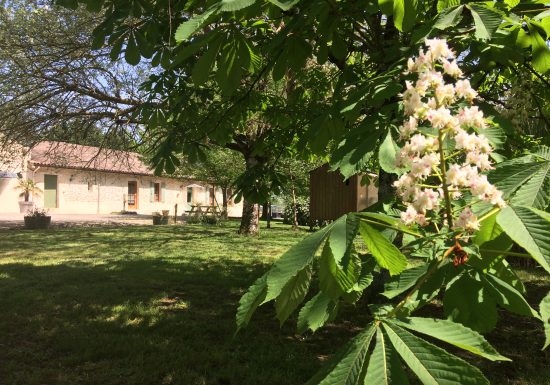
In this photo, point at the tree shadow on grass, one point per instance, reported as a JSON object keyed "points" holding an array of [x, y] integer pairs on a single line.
{"points": [[143, 322]]}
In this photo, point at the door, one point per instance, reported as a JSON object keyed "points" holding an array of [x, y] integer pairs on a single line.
{"points": [[50, 191], [132, 195]]}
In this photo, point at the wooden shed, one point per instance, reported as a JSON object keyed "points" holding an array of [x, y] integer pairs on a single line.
{"points": [[331, 197]]}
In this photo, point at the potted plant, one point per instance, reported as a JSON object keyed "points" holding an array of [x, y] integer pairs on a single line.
{"points": [[160, 219], [37, 219], [28, 187]]}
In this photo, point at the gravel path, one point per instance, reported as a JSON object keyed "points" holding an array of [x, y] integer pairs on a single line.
{"points": [[9, 221]]}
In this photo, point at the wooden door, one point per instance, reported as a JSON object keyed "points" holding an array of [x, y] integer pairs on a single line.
{"points": [[50, 191], [132, 195]]}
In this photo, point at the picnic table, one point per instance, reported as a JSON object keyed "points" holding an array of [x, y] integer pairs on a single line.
{"points": [[198, 210]]}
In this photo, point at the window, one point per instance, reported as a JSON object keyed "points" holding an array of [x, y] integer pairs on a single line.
{"points": [[189, 194], [156, 193]]}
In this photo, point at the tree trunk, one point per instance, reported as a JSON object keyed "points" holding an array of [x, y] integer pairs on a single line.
{"points": [[265, 211], [294, 203], [268, 215], [224, 202], [249, 220], [386, 191]]}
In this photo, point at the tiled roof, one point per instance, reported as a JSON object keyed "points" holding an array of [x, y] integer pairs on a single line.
{"points": [[76, 156]]}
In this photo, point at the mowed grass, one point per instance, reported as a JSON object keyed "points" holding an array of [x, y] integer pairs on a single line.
{"points": [[156, 305]]}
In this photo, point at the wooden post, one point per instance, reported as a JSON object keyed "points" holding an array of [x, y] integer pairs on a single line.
{"points": [[176, 213]]}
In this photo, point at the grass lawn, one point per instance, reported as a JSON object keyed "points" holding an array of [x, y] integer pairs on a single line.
{"points": [[156, 305]]}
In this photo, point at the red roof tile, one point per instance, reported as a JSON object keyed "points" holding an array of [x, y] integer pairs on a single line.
{"points": [[76, 156]]}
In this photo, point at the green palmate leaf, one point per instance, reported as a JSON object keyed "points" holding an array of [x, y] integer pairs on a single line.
{"points": [[235, 5], [284, 5], [386, 254], [469, 302], [536, 191], [528, 229], [132, 54], [501, 269], [203, 66], [333, 279], [508, 177], [443, 4], [341, 238], [404, 281], [386, 6], [449, 17], [294, 261], [508, 297], [404, 14], [387, 154], [488, 230], [486, 21], [293, 293], [316, 312], [541, 53], [543, 152], [454, 334], [250, 301], [544, 309], [432, 365], [495, 134], [384, 365], [189, 27], [346, 368]]}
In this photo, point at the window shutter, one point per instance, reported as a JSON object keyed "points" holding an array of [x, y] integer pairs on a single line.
{"points": [[151, 192], [163, 192]]}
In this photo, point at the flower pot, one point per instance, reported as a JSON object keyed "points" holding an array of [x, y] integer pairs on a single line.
{"points": [[33, 223], [24, 206]]}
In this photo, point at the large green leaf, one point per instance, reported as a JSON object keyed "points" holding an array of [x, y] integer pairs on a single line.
{"points": [[386, 254], [189, 27], [293, 293], [444, 4], [387, 154], [203, 66], [469, 302], [508, 177], [341, 238], [541, 53], [384, 365], [404, 281], [404, 14], [235, 5], [507, 296], [250, 301], [528, 229], [449, 17], [294, 261], [432, 365], [545, 315], [284, 5], [454, 334], [346, 368], [486, 21], [132, 54], [316, 312], [536, 191]]}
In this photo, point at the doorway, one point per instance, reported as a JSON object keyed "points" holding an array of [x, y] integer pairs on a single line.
{"points": [[50, 191], [132, 195]]}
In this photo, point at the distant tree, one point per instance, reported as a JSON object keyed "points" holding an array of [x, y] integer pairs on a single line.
{"points": [[219, 166], [54, 85]]}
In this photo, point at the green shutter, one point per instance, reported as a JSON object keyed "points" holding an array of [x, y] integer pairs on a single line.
{"points": [[151, 192], [163, 192], [50, 191]]}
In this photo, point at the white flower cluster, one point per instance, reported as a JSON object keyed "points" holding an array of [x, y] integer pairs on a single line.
{"points": [[428, 103]]}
